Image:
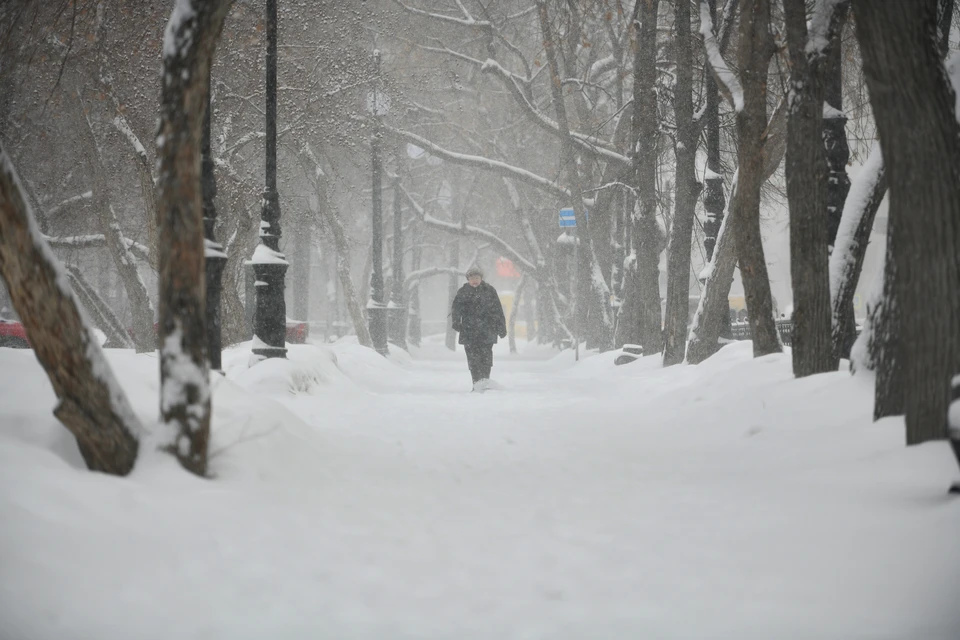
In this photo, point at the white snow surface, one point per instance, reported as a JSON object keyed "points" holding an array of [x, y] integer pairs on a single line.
{"points": [[361, 497]]}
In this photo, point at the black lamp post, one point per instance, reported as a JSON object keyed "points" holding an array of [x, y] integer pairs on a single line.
{"points": [[215, 258], [378, 105], [269, 265]]}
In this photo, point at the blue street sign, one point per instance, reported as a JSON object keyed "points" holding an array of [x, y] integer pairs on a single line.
{"points": [[567, 218]]}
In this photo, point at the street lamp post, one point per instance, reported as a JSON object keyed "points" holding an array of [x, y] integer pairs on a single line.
{"points": [[269, 265], [378, 105], [398, 302], [215, 258]]}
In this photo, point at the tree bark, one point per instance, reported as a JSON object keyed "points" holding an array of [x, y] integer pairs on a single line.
{"points": [[647, 236], [92, 406], [914, 107], [189, 42], [754, 52], [846, 259], [688, 190], [806, 173], [834, 124]]}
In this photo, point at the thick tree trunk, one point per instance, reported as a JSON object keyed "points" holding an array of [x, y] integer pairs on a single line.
{"points": [[688, 190], [806, 171], [647, 236], [189, 42], [850, 248], [914, 107], [754, 52], [92, 406], [100, 312]]}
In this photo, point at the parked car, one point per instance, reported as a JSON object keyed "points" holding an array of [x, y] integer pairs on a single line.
{"points": [[297, 331], [13, 335]]}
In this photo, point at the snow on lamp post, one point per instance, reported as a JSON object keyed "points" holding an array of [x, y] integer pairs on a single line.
{"points": [[378, 104], [214, 257], [269, 264]]}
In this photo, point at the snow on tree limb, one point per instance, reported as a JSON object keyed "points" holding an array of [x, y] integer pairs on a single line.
{"points": [[80, 197], [467, 21], [818, 34], [96, 240], [589, 144], [487, 164], [468, 230], [725, 77], [416, 276]]}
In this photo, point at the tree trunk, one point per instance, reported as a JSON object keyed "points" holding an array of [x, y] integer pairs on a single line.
{"points": [[688, 190], [647, 237], [806, 171], [189, 42], [92, 406], [914, 107], [754, 52]]}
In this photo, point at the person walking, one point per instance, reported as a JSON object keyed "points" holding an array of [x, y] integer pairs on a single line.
{"points": [[478, 318]]}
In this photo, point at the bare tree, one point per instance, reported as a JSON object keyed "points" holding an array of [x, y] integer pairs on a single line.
{"points": [[189, 42]]}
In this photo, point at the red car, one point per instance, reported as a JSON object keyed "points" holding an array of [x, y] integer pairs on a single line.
{"points": [[297, 332], [13, 335]]}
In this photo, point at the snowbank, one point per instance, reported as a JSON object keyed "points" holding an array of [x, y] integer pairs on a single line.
{"points": [[355, 497]]}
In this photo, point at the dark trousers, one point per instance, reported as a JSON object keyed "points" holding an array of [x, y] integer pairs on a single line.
{"points": [[479, 359]]}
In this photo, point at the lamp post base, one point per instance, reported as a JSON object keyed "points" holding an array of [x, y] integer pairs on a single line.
{"points": [[270, 321]]}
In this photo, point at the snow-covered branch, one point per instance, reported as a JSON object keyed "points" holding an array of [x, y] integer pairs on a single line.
{"points": [[468, 230], [466, 21], [495, 166], [589, 144], [725, 77], [124, 127], [80, 197], [416, 276], [96, 241]]}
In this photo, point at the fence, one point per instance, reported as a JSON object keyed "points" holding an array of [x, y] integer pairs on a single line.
{"points": [[741, 331]]}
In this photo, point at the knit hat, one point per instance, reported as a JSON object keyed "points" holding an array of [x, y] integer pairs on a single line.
{"points": [[474, 271]]}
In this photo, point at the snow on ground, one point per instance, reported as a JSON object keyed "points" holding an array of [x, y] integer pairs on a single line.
{"points": [[359, 497]]}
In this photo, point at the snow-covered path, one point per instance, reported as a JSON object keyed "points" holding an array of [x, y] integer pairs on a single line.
{"points": [[385, 501]]}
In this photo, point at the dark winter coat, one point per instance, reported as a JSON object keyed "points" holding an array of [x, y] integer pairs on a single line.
{"points": [[478, 315]]}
